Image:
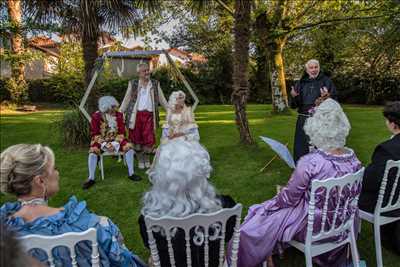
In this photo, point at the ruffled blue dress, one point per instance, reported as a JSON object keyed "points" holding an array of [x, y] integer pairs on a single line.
{"points": [[74, 218]]}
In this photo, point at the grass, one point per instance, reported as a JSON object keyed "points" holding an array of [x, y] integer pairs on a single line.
{"points": [[236, 167]]}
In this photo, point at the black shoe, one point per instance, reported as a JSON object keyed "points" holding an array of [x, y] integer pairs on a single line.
{"points": [[88, 184], [135, 177]]}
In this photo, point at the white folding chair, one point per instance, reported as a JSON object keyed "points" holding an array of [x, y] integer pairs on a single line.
{"points": [[202, 223], [311, 247], [69, 240], [101, 161], [376, 218]]}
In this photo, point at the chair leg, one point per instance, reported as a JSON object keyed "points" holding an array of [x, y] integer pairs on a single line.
{"points": [[101, 167], [354, 251], [378, 248], [307, 253]]}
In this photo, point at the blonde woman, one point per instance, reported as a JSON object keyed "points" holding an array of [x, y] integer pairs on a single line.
{"points": [[29, 172]]}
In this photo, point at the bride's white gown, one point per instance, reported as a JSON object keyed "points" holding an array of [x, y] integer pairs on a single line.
{"points": [[183, 123]]}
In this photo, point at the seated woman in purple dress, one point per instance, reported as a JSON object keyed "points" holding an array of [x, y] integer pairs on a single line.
{"points": [[270, 225], [28, 171]]}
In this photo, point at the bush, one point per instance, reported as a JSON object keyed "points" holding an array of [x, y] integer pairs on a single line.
{"points": [[58, 88], [212, 85], [114, 87], [74, 129], [4, 93], [370, 90], [13, 91]]}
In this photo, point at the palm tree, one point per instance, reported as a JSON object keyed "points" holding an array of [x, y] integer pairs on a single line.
{"points": [[17, 84], [88, 18], [240, 74]]}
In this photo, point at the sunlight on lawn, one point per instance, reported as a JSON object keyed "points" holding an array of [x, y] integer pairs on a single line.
{"points": [[235, 167]]}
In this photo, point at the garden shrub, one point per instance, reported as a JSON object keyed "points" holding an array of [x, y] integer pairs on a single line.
{"points": [[74, 129]]}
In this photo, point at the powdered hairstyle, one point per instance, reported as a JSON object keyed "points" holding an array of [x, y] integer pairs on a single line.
{"points": [[180, 183], [173, 98], [20, 164], [107, 102], [329, 127]]}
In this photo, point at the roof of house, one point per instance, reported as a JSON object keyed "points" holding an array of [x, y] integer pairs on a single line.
{"points": [[187, 56], [45, 44]]}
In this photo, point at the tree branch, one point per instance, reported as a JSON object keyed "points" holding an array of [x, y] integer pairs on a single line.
{"points": [[311, 25], [227, 8], [305, 11]]}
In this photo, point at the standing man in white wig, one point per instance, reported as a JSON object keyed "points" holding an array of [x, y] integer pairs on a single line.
{"points": [[140, 106], [309, 91]]}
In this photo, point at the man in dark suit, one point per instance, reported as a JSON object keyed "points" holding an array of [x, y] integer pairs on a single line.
{"points": [[388, 150]]}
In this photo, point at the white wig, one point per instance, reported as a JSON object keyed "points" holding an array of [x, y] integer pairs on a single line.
{"points": [[312, 61], [106, 103], [180, 182], [173, 98], [329, 127]]}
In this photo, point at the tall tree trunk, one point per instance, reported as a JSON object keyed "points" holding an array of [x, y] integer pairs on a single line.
{"points": [[240, 68], [90, 36], [263, 82], [279, 93], [90, 54], [17, 85]]}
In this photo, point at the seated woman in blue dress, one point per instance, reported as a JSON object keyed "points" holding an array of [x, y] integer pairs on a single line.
{"points": [[28, 172]]}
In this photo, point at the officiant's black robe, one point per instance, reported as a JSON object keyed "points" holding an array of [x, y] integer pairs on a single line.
{"points": [[309, 91]]}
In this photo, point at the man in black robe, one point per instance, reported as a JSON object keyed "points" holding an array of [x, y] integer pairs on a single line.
{"points": [[313, 86]]}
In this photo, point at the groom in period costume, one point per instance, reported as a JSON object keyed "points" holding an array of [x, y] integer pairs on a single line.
{"points": [[140, 106], [107, 132]]}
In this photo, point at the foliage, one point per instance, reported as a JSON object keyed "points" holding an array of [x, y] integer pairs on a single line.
{"points": [[115, 87], [60, 88], [17, 90], [191, 31], [70, 61], [364, 64], [87, 19], [73, 129]]}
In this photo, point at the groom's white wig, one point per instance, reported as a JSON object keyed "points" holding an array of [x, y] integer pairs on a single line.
{"points": [[180, 182], [329, 127], [107, 102]]}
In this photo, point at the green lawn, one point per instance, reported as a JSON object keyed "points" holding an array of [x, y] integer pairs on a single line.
{"points": [[236, 167]]}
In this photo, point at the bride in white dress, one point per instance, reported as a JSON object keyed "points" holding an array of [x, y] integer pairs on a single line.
{"points": [[180, 123], [180, 131]]}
